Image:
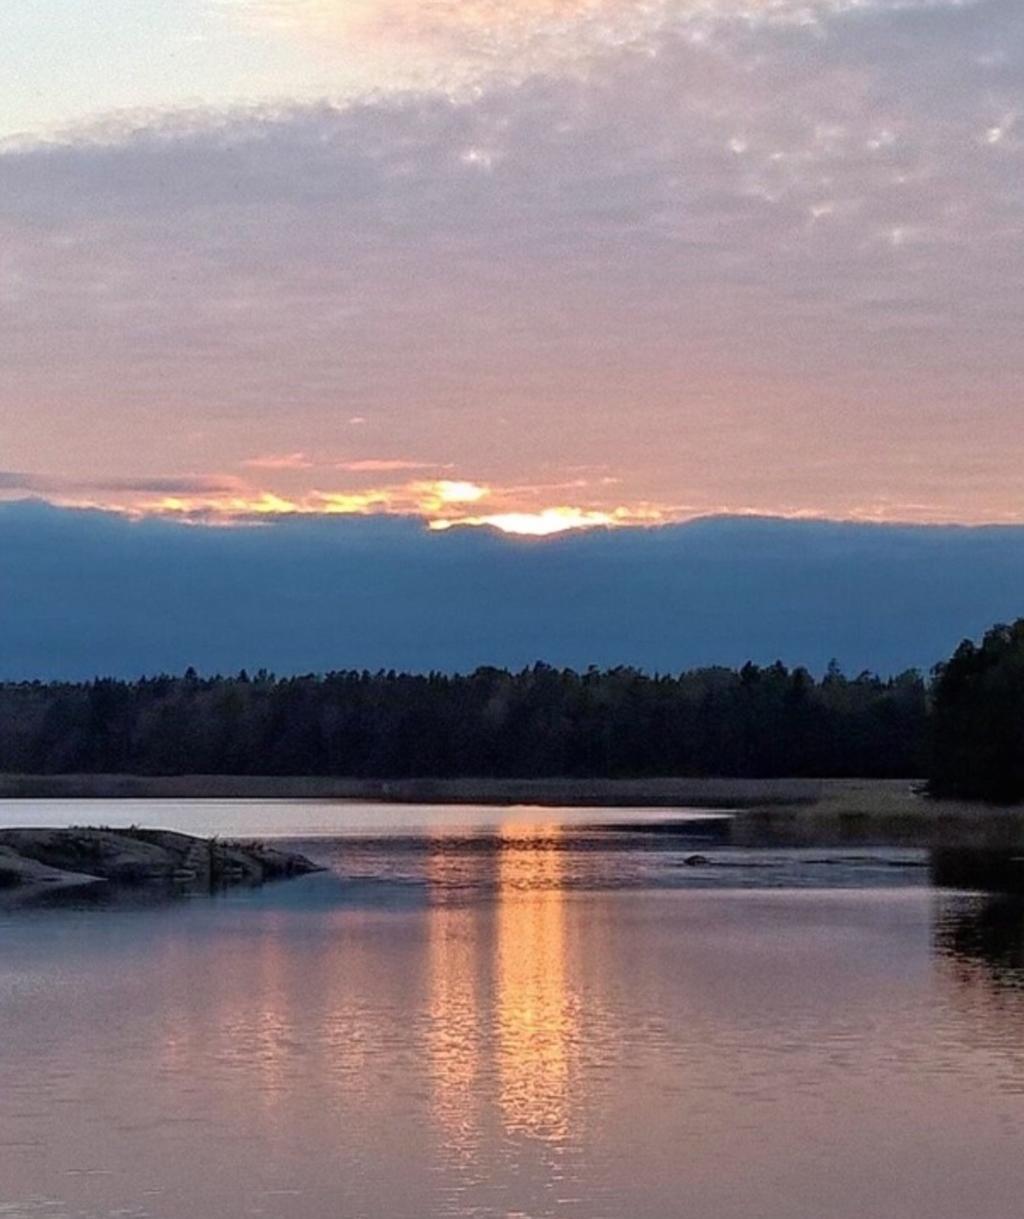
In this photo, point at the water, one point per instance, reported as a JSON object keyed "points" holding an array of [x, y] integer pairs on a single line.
{"points": [[513, 1013]]}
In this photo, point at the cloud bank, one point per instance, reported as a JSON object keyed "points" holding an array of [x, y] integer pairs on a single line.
{"points": [[86, 593]]}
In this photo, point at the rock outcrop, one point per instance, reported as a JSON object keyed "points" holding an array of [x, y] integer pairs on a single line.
{"points": [[84, 855]]}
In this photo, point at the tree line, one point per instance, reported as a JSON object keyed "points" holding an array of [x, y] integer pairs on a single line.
{"points": [[964, 728], [539, 722]]}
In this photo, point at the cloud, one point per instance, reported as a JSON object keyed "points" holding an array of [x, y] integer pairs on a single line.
{"points": [[449, 43], [72, 488], [453, 42], [226, 501], [386, 465], [280, 461], [100, 594], [442, 503], [198, 485], [366, 465], [454, 491], [14, 480], [758, 264]]}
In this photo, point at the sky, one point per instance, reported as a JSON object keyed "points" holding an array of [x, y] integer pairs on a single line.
{"points": [[540, 264]]}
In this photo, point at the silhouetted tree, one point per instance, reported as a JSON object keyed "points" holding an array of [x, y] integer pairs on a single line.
{"points": [[978, 719], [542, 721]]}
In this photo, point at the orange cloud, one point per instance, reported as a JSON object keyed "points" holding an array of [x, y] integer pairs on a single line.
{"points": [[410, 499], [448, 491], [263, 503], [441, 503], [444, 503]]}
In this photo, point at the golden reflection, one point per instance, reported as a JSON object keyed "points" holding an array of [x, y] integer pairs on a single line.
{"points": [[536, 1019], [455, 1005], [503, 1020]]}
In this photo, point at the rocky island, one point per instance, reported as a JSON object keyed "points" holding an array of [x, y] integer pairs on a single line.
{"points": [[57, 858]]}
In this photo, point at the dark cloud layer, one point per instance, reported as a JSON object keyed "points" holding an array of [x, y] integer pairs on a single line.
{"points": [[84, 593]]}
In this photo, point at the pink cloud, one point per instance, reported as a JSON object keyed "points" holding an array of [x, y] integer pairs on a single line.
{"points": [[376, 465], [279, 461]]}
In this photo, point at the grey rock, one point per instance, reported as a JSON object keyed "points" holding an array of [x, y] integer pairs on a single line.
{"points": [[17, 871], [81, 855]]}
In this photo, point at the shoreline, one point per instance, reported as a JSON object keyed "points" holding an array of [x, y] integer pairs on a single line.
{"points": [[766, 812], [567, 793]]}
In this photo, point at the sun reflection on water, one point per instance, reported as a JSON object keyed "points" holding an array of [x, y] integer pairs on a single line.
{"points": [[500, 999], [456, 1004], [535, 1017], [487, 1036]]}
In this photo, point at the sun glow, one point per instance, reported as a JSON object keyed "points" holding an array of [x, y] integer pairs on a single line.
{"points": [[454, 492], [548, 521], [442, 503], [536, 524]]}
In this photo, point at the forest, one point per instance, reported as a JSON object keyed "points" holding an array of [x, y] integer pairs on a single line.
{"points": [[540, 722], [963, 729]]}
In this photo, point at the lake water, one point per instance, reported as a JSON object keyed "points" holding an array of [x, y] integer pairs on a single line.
{"points": [[512, 1013]]}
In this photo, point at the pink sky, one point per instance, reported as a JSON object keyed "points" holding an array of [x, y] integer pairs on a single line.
{"points": [[605, 264]]}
